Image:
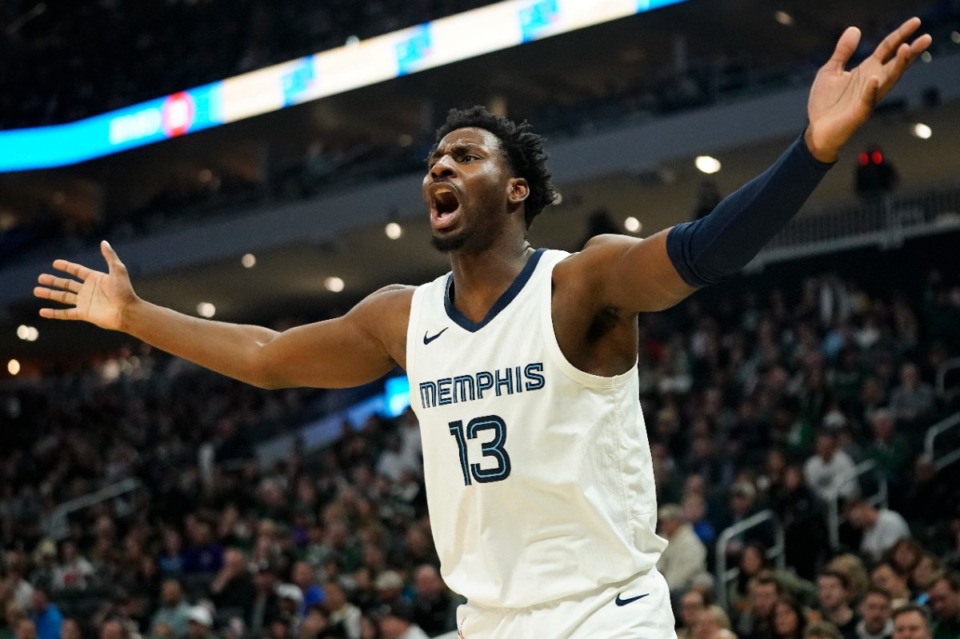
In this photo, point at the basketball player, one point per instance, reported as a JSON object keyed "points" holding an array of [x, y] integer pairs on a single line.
{"points": [[522, 361]]}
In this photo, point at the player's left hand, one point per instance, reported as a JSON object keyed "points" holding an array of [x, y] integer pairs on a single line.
{"points": [[841, 101]]}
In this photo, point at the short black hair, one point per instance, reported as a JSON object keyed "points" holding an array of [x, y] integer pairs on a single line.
{"points": [[522, 147]]}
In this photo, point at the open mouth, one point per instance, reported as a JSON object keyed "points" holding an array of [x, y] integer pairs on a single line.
{"points": [[445, 205]]}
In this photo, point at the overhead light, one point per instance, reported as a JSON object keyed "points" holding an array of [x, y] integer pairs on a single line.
{"points": [[393, 230], [206, 309], [353, 41], [783, 18], [926, 56], [27, 333], [921, 131], [13, 367], [707, 164], [632, 224], [333, 284], [249, 260], [955, 36]]}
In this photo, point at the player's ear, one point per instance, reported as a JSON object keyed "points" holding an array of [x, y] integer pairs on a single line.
{"points": [[517, 190]]}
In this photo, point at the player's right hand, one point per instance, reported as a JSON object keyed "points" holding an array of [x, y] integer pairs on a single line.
{"points": [[93, 296]]}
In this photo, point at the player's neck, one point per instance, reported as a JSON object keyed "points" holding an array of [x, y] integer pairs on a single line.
{"points": [[479, 279]]}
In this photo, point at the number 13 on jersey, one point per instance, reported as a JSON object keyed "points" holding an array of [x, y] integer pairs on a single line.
{"points": [[493, 448]]}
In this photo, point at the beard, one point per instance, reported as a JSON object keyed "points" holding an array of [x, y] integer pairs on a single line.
{"points": [[449, 244]]}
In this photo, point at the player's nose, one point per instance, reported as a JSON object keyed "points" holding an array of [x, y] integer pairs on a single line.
{"points": [[443, 168]]}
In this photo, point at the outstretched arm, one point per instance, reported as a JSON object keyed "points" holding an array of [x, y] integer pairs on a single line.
{"points": [[357, 348], [656, 273]]}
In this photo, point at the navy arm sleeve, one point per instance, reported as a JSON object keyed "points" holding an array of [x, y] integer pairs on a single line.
{"points": [[720, 244]]}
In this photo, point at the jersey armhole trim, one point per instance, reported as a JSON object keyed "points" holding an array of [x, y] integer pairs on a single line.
{"points": [[553, 346]]}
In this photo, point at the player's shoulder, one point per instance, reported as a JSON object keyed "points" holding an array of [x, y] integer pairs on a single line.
{"points": [[392, 297], [588, 263]]}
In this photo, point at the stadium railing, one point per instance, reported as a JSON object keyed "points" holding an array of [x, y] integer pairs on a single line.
{"points": [[886, 222], [937, 431], [727, 575], [879, 498], [945, 369], [57, 525]]}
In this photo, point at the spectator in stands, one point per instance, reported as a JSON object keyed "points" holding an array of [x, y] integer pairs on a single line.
{"points": [[713, 623], [822, 630], [911, 622], [905, 554], [926, 499], [888, 577], [685, 556], [756, 621], [881, 528], [171, 557], [396, 622], [265, 605], [852, 567], [233, 586], [800, 515], [692, 603], [833, 591], [695, 513], [291, 605], [944, 597], [26, 629], [113, 629], [19, 588], [876, 609], [70, 629], [928, 568], [343, 614], [828, 465], [389, 585], [889, 449], [199, 623], [302, 576], [45, 615], [73, 571], [789, 619], [13, 613], [174, 609], [203, 554], [742, 505], [952, 558], [434, 607], [751, 562], [913, 400]]}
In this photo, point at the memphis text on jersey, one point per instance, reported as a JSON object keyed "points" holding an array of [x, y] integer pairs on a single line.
{"points": [[467, 388]]}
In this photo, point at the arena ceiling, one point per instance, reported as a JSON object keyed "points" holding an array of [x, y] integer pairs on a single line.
{"points": [[566, 69]]}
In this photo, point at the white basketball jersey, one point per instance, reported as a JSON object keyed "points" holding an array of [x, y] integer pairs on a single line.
{"points": [[539, 478]]}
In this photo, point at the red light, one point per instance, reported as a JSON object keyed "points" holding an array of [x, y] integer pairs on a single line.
{"points": [[877, 157], [863, 158], [178, 114]]}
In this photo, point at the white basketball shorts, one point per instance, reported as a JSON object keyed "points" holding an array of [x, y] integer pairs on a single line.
{"points": [[636, 609]]}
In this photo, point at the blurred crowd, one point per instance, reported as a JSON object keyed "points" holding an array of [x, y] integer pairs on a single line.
{"points": [[64, 60], [756, 399], [68, 60]]}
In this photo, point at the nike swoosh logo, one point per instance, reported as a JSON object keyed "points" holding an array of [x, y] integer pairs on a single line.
{"points": [[629, 600], [428, 338]]}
